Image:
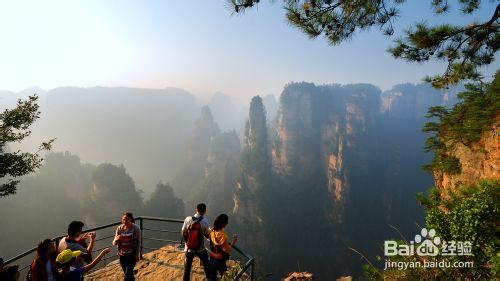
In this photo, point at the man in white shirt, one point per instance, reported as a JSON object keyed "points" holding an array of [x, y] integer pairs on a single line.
{"points": [[75, 241], [194, 230]]}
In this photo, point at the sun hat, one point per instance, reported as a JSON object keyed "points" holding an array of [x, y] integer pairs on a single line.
{"points": [[67, 255]]}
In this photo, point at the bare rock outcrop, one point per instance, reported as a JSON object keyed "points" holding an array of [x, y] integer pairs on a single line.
{"points": [[166, 263], [299, 276], [478, 161]]}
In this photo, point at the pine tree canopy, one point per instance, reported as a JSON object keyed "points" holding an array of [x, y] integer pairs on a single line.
{"points": [[14, 127], [465, 48]]}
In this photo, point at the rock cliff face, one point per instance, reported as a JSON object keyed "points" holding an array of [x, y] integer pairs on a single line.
{"points": [[480, 160], [212, 166], [341, 159], [254, 183], [338, 132], [319, 131]]}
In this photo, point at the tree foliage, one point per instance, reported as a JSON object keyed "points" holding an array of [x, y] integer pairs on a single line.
{"points": [[113, 191], [470, 214], [164, 203], [465, 48], [464, 123], [14, 127]]}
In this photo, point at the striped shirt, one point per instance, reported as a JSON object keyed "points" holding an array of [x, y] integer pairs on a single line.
{"points": [[129, 242]]}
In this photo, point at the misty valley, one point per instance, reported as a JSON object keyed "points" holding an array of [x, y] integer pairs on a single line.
{"points": [[306, 178]]}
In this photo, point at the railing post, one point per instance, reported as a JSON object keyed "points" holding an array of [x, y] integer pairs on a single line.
{"points": [[251, 270], [142, 234]]}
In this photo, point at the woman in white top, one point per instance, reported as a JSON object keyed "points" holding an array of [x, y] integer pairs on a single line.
{"points": [[43, 265]]}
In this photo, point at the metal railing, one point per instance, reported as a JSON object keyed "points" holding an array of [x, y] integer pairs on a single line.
{"points": [[148, 243]]}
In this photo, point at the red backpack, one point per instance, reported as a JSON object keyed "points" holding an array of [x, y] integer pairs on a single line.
{"points": [[194, 237], [36, 272]]}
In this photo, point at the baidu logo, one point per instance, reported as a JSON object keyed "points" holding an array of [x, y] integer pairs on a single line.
{"points": [[426, 243]]}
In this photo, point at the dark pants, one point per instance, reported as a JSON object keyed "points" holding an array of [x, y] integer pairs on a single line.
{"points": [[188, 262], [128, 262], [218, 266]]}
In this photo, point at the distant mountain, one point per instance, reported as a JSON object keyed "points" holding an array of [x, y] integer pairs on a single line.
{"points": [[227, 113], [211, 166], [144, 129], [8, 99], [413, 100], [271, 105]]}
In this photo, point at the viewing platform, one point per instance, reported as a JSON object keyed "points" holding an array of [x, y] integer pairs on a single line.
{"points": [[162, 255]]}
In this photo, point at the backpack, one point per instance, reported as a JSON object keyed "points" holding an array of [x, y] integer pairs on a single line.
{"points": [[34, 269], [29, 275], [194, 237], [216, 251]]}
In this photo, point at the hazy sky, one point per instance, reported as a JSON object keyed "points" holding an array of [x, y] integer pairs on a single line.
{"points": [[195, 45]]}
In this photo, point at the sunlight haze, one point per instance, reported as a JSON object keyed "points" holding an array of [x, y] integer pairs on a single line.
{"points": [[195, 45]]}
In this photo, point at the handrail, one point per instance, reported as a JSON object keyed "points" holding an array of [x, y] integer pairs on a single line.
{"points": [[242, 252], [244, 269], [57, 238], [249, 264], [160, 219], [160, 230]]}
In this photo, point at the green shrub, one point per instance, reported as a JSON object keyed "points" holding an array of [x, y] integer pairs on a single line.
{"points": [[470, 214]]}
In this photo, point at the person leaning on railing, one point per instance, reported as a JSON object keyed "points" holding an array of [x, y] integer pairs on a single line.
{"points": [[219, 245]]}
